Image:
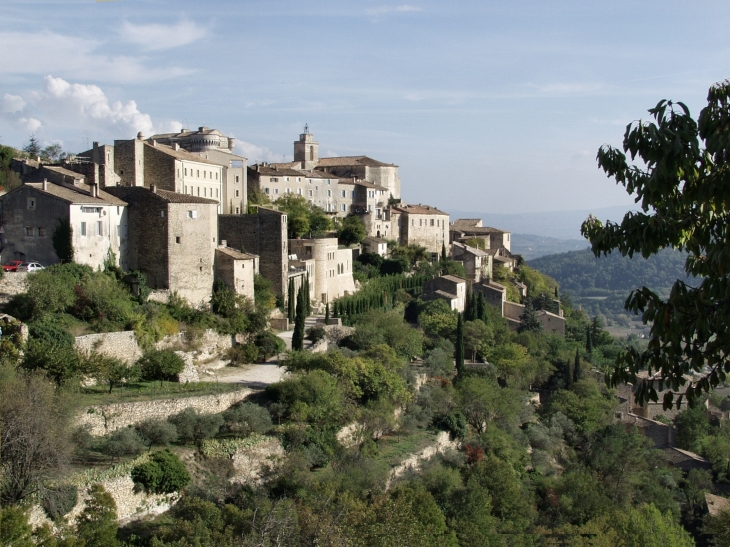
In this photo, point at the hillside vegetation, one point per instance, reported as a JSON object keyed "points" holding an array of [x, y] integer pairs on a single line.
{"points": [[601, 285]]}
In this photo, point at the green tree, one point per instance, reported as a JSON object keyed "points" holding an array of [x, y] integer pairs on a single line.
{"points": [[164, 473], [482, 401], [157, 432], [62, 240], [161, 365], [297, 339], [477, 337], [351, 230], [682, 187], [692, 427], [97, 524], [528, 320], [33, 148], [459, 349], [15, 531]]}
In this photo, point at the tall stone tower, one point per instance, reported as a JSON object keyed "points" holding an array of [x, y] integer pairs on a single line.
{"points": [[306, 150]]}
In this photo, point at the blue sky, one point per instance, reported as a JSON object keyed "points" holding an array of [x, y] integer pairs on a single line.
{"points": [[485, 106]]}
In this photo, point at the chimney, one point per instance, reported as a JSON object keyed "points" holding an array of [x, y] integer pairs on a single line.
{"points": [[38, 159], [175, 146], [154, 143], [153, 188], [94, 190], [45, 185], [224, 243]]}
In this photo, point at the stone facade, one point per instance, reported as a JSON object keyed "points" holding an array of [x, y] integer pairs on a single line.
{"points": [[375, 245], [494, 293], [451, 288], [332, 267], [265, 235], [119, 345], [423, 225], [172, 240], [551, 322], [472, 228], [31, 213], [236, 270], [103, 419], [477, 263], [101, 156]]}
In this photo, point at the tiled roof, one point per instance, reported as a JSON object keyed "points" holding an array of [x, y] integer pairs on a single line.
{"points": [[180, 154], [133, 194], [63, 171], [185, 133], [352, 160], [467, 222], [238, 255], [278, 170], [716, 504], [419, 210], [469, 249], [81, 194], [453, 278], [445, 294], [472, 230]]}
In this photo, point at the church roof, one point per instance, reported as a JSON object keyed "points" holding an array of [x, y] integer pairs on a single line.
{"points": [[352, 160]]}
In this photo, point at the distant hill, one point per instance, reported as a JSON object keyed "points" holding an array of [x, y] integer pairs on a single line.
{"points": [[532, 246], [553, 224], [601, 285]]}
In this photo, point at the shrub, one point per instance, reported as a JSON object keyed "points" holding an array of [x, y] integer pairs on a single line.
{"points": [[247, 418], [195, 427], [269, 345], [123, 442], [243, 354], [315, 334], [164, 473], [50, 333], [157, 432], [453, 422], [60, 363], [161, 365], [59, 500]]}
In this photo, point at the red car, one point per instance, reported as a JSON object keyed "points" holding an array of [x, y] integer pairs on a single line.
{"points": [[12, 266]]}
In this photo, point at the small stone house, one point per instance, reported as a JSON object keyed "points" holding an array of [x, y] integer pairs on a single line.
{"points": [[332, 267], [464, 229], [32, 212], [477, 263], [423, 225], [236, 269], [375, 245], [451, 288]]}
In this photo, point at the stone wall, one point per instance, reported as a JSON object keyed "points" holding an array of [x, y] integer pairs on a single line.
{"points": [[250, 464], [103, 419], [415, 461], [11, 284], [120, 345]]}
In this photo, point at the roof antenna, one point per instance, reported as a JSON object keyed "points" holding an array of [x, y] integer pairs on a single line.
{"points": [[306, 129]]}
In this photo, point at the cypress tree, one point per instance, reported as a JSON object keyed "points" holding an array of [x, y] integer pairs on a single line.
{"points": [[443, 252], [297, 341], [467, 305], [576, 366], [326, 314], [459, 350], [589, 340], [291, 311], [482, 307]]}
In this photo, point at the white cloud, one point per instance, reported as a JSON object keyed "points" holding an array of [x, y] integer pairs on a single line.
{"points": [[155, 37], [257, 154], [13, 103], [382, 10], [77, 58], [67, 107]]}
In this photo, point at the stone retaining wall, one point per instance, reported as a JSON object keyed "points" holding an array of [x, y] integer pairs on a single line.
{"points": [[103, 419], [11, 284], [120, 345], [415, 461], [250, 464]]}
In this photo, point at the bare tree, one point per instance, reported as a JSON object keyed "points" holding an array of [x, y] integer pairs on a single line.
{"points": [[34, 445]]}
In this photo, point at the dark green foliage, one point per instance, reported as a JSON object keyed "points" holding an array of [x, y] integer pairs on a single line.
{"points": [[47, 332], [394, 266], [243, 354], [247, 418], [291, 307], [327, 313], [62, 239], [161, 365], [122, 443], [33, 148], [351, 230], [194, 427], [315, 334], [459, 349], [15, 530], [268, 345], [576, 366], [157, 432], [59, 500], [97, 525], [453, 422], [692, 427], [60, 362], [164, 473], [528, 320], [297, 341]]}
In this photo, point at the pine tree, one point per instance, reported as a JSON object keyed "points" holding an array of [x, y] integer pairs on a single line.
{"points": [[97, 525], [528, 319], [576, 367], [459, 350], [297, 340], [327, 314]]}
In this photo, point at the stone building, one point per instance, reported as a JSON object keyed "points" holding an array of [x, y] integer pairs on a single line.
{"points": [[423, 225], [495, 294], [170, 168], [375, 245], [477, 263], [264, 234], [236, 269], [451, 288], [465, 229], [101, 156], [30, 214], [212, 145], [332, 267], [172, 240]]}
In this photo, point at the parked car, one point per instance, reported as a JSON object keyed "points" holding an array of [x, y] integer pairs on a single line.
{"points": [[30, 267], [12, 266]]}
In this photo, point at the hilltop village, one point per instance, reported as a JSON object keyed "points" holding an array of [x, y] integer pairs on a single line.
{"points": [[186, 212]]}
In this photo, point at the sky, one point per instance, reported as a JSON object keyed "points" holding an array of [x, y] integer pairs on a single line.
{"points": [[486, 105]]}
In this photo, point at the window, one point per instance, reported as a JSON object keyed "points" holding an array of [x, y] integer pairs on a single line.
{"points": [[197, 173], [99, 228], [327, 181], [299, 179], [162, 213], [288, 190], [266, 190], [198, 191], [276, 191], [237, 178], [343, 207], [186, 171], [192, 214], [95, 210], [353, 194], [310, 194], [431, 222], [204, 173], [274, 179], [286, 179], [216, 192], [329, 193], [343, 193], [237, 193], [177, 239], [299, 191], [41, 232], [420, 222], [236, 210], [83, 229], [216, 176], [31, 203], [29, 231]]}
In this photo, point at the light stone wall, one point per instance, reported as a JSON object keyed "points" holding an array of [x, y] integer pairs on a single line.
{"points": [[120, 345], [11, 284], [103, 419], [249, 464]]}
